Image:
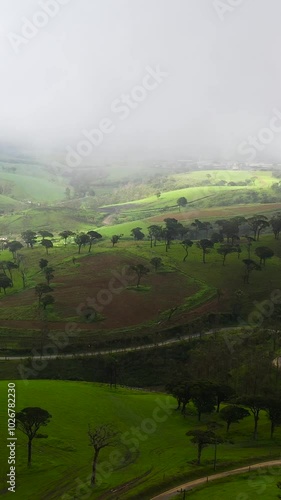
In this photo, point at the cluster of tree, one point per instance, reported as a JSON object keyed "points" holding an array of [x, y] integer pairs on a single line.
{"points": [[235, 387]]}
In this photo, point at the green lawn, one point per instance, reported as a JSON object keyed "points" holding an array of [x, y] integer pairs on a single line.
{"points": [[161, 450]]}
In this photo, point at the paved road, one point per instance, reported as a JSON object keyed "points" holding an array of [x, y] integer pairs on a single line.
{"points": [[125, 349], [191, 484]]}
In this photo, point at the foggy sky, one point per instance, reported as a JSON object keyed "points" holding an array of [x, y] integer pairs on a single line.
{"points": [[223, 76]]}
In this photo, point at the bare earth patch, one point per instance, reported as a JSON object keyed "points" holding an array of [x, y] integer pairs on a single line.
{"points": [[122, 309], [218, 212]]}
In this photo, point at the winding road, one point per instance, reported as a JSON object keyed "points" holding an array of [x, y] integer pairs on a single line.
{"points": [[197, 482], [124, 349]]}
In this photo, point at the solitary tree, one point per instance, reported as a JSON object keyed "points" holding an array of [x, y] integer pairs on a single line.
{"points": [[186, 244], [29, 420], [41, 289], [5, 282], [140, 270], [250, 266], [255, 403], [232, 414], [14, 246], [47, 300], [225, 250], [203, 439], [137, 233], [115, 238], [264, 253], [81, 239], [43, 263], [45, 234], [156, 262], [181, 202], [101, 437], [48, 271], [65, 235], [47, 244], [94, 236]]}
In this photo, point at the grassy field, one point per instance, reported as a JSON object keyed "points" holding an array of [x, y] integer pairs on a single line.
{"points": [[251, 486], [75, 283], [62, 462]]}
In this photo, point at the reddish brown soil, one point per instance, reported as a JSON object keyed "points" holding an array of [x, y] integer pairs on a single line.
{"points": [[217, 212], [124, 309]]}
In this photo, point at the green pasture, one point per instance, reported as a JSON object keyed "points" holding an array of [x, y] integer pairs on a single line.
{"points": [[251, 486], [62, 462]]}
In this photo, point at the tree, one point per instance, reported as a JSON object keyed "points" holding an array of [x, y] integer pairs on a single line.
{"points": [[276, 225], [255, 403], [167, 235], [186, 244], [140, 270], [174, 228], [225, 250], [81, 239], [10, 266], [47, 244], [214, 426], [203, 397], [93, 236], [181, 392], [48, 271], [29, 420], [29, 237], [101, 437], [14, 246], [205, 245], [22, 268], [250, 241], [203, 439], [223, 393], [156, 262], [137, 234], [264, 253], [279, 487], [217, 238], [115, 238], [41, 289], [257, 223], [250, 266], [232, 414], [181, 202], [154, 233], [65, 235], [45, 234], [43, 263], [5, 282], [47, 300], [229, 228], [272, 407]]}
